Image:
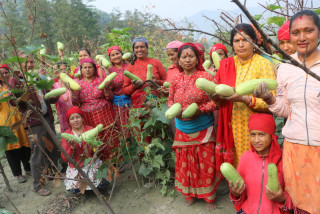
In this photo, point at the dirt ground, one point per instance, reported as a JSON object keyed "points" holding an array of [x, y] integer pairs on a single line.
{"points": [[126, 199]]}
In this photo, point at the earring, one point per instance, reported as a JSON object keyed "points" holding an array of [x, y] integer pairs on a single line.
{"points": [[254, 49]]}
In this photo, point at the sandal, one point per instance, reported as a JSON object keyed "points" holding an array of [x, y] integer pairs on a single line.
{"points": [[21, 179], [43, 192], [28, 173]]}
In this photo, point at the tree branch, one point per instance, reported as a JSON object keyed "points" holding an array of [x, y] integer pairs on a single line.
{"points": [[199, 31], [266, 38], [282, 14]]}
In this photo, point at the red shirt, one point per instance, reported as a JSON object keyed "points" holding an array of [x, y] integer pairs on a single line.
{"points": [[172, 72], [183, 90], [140, 69]]}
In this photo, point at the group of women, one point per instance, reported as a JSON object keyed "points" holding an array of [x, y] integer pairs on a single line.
{"points": [[220, 130]]}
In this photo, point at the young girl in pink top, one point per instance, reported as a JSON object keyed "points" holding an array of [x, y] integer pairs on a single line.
{"points": [[253, 196]]}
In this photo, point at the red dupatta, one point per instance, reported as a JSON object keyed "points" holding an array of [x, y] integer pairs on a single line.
{"points": [[225, 143]]}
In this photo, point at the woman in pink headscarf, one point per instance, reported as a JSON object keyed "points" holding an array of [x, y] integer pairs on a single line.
{"points": [[96, 105], [121, 102], [172, 52]]}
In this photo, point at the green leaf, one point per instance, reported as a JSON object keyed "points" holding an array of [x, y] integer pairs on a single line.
{"points": [[102, 171], [44, 84], [257, 17], [276, 20], [15, 59], [5, 99], [145, 171], [87, 161], [7, 136], [317, 11], [3, 144], [31, 49], [156, 164], [164, 190], [273, 7], [158, 158], [4, 211], [157, 142]]}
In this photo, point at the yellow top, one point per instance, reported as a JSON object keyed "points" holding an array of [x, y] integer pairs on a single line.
{"points": [[257, 67], [6, 112]]}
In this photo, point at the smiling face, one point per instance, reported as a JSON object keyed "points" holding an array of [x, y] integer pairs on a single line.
{"points": [[242, 48], [116, 57], [188, 60], [75, 121], [140, 50], [83, 54], [260, 141], [304, 33], [87, 70], [173, 55], [287, 46]]}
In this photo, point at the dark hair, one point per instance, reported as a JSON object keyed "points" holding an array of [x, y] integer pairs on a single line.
{"points": [[183, 48], [94, 66], [248, 29], [310, 13], [134, 56], [85, 49], [62, 63]]}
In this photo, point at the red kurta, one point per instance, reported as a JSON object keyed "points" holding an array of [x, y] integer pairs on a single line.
{"points": [[195, 170], [140, 69], [172, 72]]}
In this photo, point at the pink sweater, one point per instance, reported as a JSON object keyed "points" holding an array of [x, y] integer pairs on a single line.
{"points": [[298, 99], [254, 170]]}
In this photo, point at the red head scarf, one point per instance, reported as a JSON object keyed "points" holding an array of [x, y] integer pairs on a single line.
{"points": [[199, 45], [116, 47], [5, 66], [283, 32], [217, 47], [84, 60], [265, 123], [199, 66], [72, 110]]}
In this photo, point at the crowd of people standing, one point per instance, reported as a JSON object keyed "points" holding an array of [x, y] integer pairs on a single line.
{"points": [[236, 129]]}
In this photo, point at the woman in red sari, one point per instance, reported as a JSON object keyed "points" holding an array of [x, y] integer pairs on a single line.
{"points": [[121, 102], [194, 140], [138, 67], [96, 105]]}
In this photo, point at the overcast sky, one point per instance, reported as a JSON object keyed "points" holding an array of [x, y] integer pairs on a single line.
{"points": [[173, 9]]}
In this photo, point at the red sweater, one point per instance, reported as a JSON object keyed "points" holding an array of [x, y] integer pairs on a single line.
{"points": [[254, 170], [140, 69], [78, 150]]}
